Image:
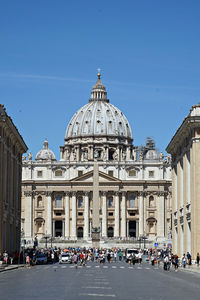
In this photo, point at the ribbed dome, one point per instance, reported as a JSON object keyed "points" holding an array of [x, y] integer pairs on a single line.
{"points": [[45, 153], [98, 117]]}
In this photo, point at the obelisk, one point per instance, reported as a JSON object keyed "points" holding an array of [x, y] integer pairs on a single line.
{"points": [[95, 213]]}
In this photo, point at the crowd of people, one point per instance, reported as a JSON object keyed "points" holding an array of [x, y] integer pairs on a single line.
{"points": [[83, 255]]}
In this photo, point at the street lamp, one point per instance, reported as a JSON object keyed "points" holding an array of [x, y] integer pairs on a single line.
{"points": [[46, 236], [22, 243]]}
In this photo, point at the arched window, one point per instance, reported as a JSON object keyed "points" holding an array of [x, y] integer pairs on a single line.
{"points": [[110, 154], [151, 201], [80, 202], [39, 201], [110, 202], [132, 201]]}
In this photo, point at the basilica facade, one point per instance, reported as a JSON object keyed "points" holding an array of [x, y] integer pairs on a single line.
{"points": [[134, 182]]}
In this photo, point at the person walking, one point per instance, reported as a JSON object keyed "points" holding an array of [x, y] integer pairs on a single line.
{"points": [[75, 260], [184, 261], [198, 257], [176, 263]]}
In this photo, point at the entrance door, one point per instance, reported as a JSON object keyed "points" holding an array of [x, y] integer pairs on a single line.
{"points": [[132, 228], [80, 232], [110, 232], [58, 228]]}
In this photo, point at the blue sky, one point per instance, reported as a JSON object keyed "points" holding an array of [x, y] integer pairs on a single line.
{"points": [[148, 51]]}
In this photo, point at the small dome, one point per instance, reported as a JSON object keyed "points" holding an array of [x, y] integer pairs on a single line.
{"points": [[45, 153]]}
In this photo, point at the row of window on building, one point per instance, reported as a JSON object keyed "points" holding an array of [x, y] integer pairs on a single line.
{"points": [[131, 173], [59, 202]]}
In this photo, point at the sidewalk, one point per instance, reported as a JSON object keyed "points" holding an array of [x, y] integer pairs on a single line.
{"points": [[190, 269], [4, 268]]}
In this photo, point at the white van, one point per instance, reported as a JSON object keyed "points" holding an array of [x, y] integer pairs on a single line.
{"points": [[129, 253]]}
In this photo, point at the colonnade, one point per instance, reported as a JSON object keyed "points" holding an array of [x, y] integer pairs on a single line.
{"points": [[71, 220]]}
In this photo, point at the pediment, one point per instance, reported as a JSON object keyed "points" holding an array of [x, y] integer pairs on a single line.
{"points": [[88, 177]]}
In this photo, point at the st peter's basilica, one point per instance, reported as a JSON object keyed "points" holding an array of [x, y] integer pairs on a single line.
{"points": [[134, 183]]}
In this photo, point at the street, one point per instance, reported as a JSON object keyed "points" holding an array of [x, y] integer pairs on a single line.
{"points": [[94, 281]]}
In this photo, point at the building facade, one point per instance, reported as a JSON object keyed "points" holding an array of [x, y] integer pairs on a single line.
{"points": [[185, 151], [134, 182], [12, 147]]}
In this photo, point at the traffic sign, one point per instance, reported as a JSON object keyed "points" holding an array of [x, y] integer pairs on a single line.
{"points": [[156, 245], [169, 245]]}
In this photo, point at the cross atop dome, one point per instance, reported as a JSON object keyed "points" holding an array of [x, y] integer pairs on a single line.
{"points": [[99, 90]]}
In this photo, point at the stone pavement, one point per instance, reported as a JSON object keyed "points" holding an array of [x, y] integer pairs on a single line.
{"points": [[4, 268]]}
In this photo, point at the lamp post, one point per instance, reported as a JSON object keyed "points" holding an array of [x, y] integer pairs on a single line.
{"points": [[22, 243]]}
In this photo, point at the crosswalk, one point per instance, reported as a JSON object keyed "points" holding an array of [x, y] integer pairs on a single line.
{"points": [[94, 266]]}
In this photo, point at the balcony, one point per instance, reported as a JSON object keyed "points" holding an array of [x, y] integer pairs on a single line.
{"points": [[56, 208], [181, 219], [132, 208]]}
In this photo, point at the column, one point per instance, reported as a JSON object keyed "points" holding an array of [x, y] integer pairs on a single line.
{"points": [[67, 195], [127, 228], [49, 214], [90, 228], [86, 215], [28, 215], [73, 215], [137, 228], [161, 215], [104, 215], [141, 213], [116, 231], [63, 228], [53, 228], [123, 215]]}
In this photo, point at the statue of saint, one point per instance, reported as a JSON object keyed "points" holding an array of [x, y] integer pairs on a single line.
{"points": [[29, 156], [24, 158], [115, 155], [104, 155], [123, 155], [161, 156], [67, 154], [85, 155], [74, 154], [96, 153]]}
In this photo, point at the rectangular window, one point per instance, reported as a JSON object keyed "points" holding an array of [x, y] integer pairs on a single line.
{"points": [[110, 173], [132, 173], [80, 173], [58, 214], [58, 173], [110, 214], [58, 201], [80, 214], [39, 173], [131, 214], [132, 201], [151, 174]]}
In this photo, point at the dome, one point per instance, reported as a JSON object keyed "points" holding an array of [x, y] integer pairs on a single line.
{"points": [[98, 118], [45, 153]]}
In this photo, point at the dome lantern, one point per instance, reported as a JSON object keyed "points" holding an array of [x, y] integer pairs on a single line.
{"points": [[99, 91]]}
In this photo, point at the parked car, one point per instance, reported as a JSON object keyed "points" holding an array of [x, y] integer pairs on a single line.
{"points": [[41, 259], [65, 258], [132, 254]]}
